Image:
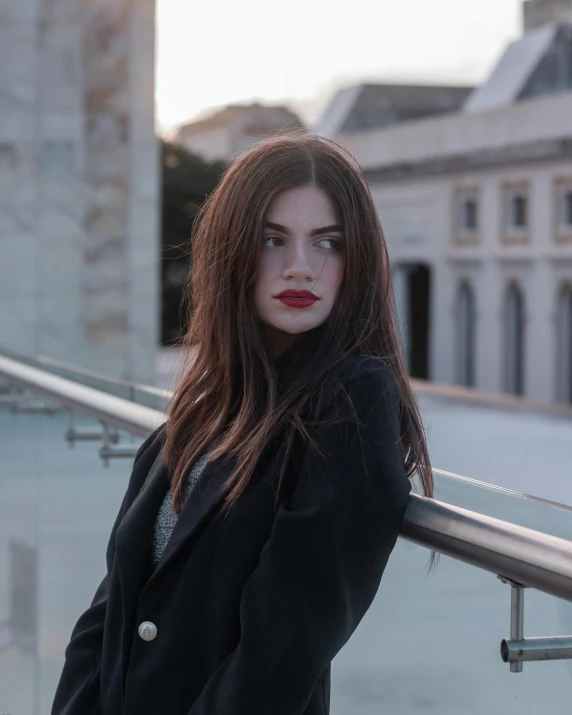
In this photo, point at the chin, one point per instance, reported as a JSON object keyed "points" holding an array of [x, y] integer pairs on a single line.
{"points": [[296, 330]]}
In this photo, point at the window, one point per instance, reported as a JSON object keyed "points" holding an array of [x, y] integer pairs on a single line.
{"points": [[466, 216], [563, 195], [516, 213], [469, 215], [566, 209]]}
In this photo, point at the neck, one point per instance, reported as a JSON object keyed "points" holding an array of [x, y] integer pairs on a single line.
{"points": [[277, 341]]}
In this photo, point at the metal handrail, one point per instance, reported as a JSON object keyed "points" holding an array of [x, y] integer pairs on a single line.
{"points": [[114, 411], [523, 555], [154, 397]]}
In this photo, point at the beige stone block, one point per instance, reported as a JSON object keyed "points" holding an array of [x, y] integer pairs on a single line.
{"points": [[105, 252], [106, 220]]}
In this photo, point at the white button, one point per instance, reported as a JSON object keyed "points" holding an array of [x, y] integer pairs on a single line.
{"points": [[147, 630]]}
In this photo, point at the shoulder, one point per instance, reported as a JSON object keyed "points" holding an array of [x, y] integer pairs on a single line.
{"points": [[369, 369], [152, 445], [364, 385]]}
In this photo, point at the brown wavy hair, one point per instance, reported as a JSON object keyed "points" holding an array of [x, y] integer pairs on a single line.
{"points": [[229, 388]]}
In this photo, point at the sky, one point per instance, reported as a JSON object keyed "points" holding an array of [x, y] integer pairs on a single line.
{"points": [[219, 52]]}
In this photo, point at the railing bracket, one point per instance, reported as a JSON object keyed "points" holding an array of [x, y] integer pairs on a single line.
{"points": [[79, 434], [107, 452], [517, 649]]}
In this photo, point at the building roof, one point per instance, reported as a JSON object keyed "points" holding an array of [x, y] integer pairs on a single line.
{"points": [[373, 106], [537, 64], [541, 122], [512, 71], [260, 118]]}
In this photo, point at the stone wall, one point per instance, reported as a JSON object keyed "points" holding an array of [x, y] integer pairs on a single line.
{"points": [[79, 245]]}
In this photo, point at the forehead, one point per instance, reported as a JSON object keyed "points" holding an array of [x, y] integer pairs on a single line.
{"points": [[304, 206]]}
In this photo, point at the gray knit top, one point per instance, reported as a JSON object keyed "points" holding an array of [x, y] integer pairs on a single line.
{"points": [[166, 517]]}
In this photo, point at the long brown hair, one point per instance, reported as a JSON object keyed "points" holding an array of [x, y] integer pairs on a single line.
{"points": [[229, 388]]}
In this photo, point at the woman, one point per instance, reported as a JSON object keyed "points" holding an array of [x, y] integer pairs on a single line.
{"points": [[260, 516]]}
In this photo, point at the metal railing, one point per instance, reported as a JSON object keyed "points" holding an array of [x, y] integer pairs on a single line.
{"points": [[108, 409], [520, 556], [146, 395]]}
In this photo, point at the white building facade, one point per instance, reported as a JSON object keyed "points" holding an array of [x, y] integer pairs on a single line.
{"points": [[476, 208], [480, 240], [79, 183]]}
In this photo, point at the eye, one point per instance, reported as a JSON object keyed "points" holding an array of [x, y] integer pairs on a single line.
{"points": [[271, 238], [335, 243]]}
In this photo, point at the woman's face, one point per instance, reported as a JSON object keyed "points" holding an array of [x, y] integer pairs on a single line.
{"points": [[301, 252]]}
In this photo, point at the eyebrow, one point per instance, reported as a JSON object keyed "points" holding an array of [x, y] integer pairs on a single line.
{"points": [[316, 232]]}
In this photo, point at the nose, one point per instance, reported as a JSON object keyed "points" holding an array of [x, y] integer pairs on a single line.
{"points": [[299, 263]]}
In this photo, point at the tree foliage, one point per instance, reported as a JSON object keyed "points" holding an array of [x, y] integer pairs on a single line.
{"points": [[187, 180]]}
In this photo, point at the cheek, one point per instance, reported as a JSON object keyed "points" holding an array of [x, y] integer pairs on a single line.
{"points": [[263, 277]]}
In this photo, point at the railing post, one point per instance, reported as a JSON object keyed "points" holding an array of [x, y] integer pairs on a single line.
{"points": [[106, 451], [516, 619]]}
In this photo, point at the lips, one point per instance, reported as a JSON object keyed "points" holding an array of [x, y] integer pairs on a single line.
{"points": [[301, 294], [297, 298]]}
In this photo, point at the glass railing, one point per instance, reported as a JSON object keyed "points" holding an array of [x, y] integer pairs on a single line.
{"points": [[535, 513], [428, 642], [524, 451], [57, 507]]}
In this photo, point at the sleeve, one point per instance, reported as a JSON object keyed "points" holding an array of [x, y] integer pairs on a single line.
{"points": [[322, 565], [77, 692]]}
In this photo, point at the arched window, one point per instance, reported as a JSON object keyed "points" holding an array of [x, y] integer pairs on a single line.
{"points": [[465, 335], [564, 327], [514, 340]]}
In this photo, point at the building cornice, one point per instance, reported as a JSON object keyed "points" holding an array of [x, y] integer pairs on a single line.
{"points": [[484, 159]]}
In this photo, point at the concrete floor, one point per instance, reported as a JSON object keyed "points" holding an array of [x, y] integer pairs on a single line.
{"points": [[427, 644]]}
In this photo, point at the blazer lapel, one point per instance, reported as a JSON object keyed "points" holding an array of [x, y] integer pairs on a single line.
{"points": [[135, 532], [203, 500]]}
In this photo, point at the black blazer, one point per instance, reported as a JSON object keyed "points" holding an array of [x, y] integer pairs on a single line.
{"points": [[249, 610]]}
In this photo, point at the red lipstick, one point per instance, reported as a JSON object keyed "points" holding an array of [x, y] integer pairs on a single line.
{"points": [[297, 298]]}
